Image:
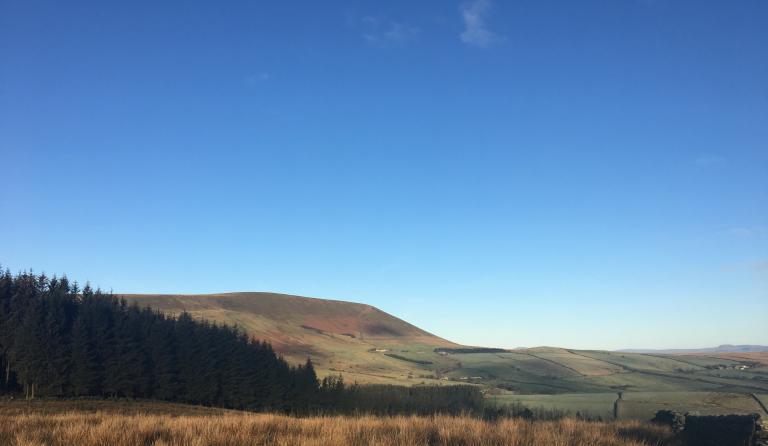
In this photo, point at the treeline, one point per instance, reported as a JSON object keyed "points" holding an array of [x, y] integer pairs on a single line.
{"points": [[59, 341], [469, 350], [405, 358], [379, 399]]}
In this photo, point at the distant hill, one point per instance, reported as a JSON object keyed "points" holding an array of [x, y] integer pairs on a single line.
{"points": [[725, 348], [339, 336]]}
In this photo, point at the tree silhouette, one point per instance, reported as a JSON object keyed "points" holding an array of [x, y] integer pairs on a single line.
{"points": [[59, 341]]}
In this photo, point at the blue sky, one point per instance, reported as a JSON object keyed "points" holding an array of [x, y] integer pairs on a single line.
{"points": [[587, 174]]}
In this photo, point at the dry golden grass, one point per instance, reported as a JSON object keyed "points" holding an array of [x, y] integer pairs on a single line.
{"points": [[116, 429]]}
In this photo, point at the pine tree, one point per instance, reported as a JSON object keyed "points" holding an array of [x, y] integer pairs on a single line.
{"points": [[163, 359], [30, 348], [58, 341], [87, 369]]}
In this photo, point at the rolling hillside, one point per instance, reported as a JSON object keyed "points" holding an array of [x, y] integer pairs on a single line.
{"points": [[347, 337], [367, 345]]}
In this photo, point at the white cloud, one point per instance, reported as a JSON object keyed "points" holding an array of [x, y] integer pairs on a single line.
{"points": [[386, 33], [476, 32]]}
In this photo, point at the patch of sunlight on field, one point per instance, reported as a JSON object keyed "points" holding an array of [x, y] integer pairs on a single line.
{"points": [[583, 365], [592, 404], [636, 361]]}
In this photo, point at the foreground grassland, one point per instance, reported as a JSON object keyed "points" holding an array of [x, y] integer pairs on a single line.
{"points": [[153, 424]]}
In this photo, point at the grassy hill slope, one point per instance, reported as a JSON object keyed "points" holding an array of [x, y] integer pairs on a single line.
{"points": [[368, 345], [559, 371], [363, 342]]}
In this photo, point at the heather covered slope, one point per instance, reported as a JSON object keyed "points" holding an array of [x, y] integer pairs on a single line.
{"points": [[347, 337]]}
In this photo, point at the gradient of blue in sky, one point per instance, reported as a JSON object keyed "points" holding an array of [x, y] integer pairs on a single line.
{"points": [[588, 174]]}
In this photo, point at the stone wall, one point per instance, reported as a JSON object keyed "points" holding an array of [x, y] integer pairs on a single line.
{"points": [[722, 430]]}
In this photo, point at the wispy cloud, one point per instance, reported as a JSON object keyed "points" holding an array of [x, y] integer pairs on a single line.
{"points": [[387, 33], [759, 266], [748, 231], [476, 32], [257, 78]]}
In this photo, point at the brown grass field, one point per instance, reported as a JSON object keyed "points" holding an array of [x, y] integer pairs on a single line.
{"points": [[154, 424]]}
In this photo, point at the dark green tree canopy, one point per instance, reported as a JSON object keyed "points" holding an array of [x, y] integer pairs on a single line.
{"points": [[57, 340]]}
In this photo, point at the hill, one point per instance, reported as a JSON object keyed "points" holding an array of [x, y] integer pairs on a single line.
{"points": [[725, 348], [361, 341], [368, 345]]}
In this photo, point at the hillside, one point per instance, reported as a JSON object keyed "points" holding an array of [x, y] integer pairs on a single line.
{"points": [[368, 345], [347, 337]]}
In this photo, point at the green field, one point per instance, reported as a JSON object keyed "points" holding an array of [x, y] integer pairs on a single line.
{"points": [[554, 371], [763, 399], [590, 404], [589, 381]]}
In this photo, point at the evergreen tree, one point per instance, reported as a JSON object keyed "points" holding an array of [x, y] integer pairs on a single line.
{"points": [[86, 370], [56, 340], [59, 341], [163, 359]]}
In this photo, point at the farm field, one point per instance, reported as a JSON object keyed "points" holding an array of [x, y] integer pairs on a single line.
{"points": [[638, 405], [590, 404], [760, 359], [552, 371], [763, 398], [643, 405], [41, 426]]}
